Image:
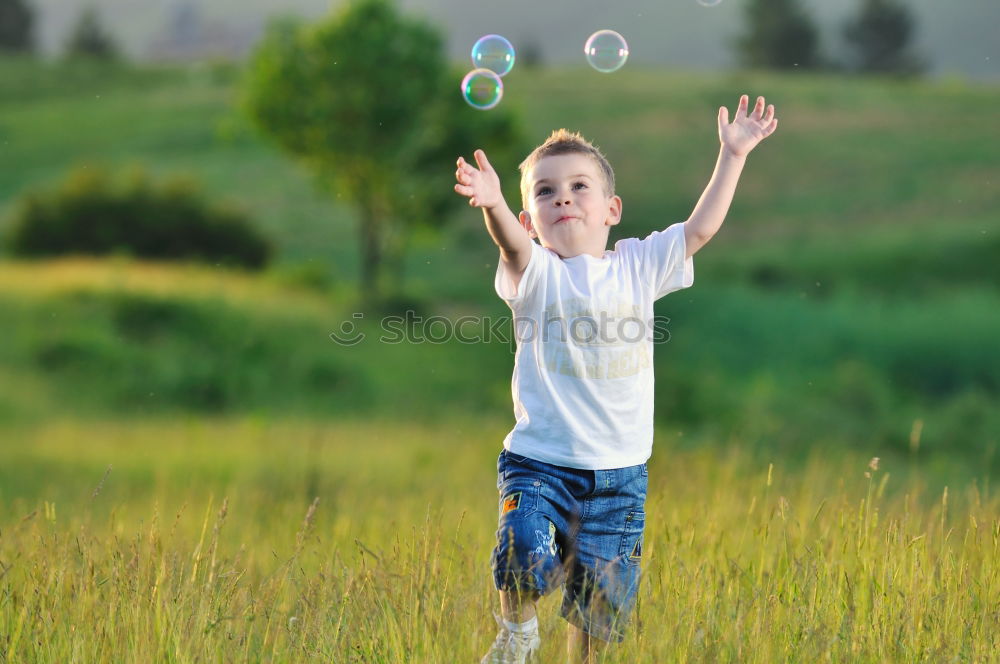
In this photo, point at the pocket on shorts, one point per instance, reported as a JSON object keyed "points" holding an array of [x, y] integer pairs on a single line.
{"points": [[631, 546], [500, 463], [514, 468], [519, 498], [516, 458]]}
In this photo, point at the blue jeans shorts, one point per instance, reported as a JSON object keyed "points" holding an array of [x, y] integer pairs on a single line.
{"points": [[580, 529]]}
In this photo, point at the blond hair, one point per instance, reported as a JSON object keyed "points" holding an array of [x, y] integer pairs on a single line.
{"points": [[560, 142]]}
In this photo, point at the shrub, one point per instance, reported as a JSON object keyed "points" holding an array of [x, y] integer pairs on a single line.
{"points": [[90, 39], [16, 19], [779, 34], [92, 212], [880, 36], [138, 353]]}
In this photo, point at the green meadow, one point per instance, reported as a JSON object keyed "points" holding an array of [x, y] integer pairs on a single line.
{"points": [[355, 540], [191, 469]]}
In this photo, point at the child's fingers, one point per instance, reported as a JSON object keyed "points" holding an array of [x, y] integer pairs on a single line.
{"points": [[723, 116], [463, 189], [771, 127], [758, 109], [741, 108], [769, 115], [482, 161], [465, 166]]}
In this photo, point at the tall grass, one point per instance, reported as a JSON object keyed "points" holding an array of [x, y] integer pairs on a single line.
{"points": [[262, 541]]}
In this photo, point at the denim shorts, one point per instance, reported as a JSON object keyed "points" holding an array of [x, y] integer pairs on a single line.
{"points": [[580, 529]]}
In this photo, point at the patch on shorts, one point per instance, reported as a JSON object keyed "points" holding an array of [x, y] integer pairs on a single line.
{"points": [[546, 544], [636, 550], [511, 503]]}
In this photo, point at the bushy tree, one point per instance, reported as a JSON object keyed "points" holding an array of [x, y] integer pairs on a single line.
{"points": [[94, 212], [365, 99], [779, 34], [90, 39], [880, 36], [16, 21]]}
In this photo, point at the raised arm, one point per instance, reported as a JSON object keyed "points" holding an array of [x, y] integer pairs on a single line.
{"points": [[482, 187], [737, 139]]}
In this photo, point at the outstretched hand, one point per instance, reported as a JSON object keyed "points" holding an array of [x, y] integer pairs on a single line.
{"points": [[745, 131], [482, 185]]}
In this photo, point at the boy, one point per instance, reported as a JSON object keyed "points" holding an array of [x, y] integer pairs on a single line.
{"points": [[572, 474]]}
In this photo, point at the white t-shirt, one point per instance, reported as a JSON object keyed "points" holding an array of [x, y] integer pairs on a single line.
{"points": [[583, 368]]}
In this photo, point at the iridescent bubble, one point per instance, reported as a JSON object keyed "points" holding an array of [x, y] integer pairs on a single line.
{"points": [[493, 52], [482, 89], [709, 3], [606, 51]]}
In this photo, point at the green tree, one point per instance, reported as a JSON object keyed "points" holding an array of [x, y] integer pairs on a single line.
{"points": [[779, 34], [16, 21], [364, 98], [90, 39], [880, 36], [97, 212]]}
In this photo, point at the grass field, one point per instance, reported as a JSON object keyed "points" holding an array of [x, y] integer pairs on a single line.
{"points": [[166, 429], [122, 338], [203, 543]]}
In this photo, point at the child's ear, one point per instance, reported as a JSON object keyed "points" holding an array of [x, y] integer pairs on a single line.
{"points": [[525, 220], [614, 211]]}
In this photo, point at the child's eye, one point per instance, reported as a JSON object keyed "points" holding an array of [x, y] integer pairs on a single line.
{"points": [[580, 184], [543, 191]]}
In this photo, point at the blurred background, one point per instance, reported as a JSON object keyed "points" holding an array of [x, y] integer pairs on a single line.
{"points": [[957, 38], [195, 195]]}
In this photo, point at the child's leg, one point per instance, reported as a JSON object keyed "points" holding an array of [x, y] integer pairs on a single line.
{"points": [[527, 558], [603, 580], [582, 648], [518, 607]]}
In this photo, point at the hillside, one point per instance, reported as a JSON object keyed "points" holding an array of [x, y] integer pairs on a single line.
{"points": [[855, 162], [849, 300], [783, 371]]}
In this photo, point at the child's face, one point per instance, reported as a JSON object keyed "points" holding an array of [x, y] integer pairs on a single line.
{"points": [[568, 207]]}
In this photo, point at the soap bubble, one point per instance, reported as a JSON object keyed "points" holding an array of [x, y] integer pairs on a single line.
{"points": [[709, 3], [606, 51], [482, 89], [493, 52]]}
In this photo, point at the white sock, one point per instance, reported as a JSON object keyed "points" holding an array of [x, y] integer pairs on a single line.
{"points": [[527, 627]]}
